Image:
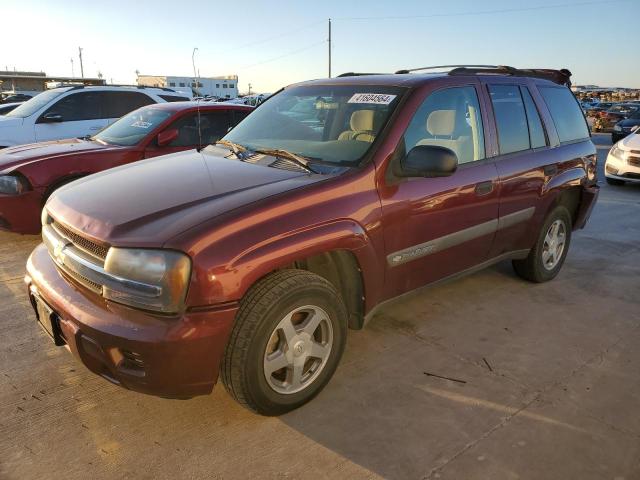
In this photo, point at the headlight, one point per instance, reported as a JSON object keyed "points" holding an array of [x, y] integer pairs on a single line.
{"points": [[617, 152], [13, 184], [617, 128], [150, 279]]}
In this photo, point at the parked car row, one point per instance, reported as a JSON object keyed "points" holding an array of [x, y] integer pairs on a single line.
{"points": [[30, 173], [75, 111], [250, 259], [610, 116]]}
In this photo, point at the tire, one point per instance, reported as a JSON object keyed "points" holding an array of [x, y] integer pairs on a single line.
{"points": [[537, 267], [259, 338], [614, 181]]}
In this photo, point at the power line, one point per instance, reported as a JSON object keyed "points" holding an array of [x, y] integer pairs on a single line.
{"points": [[284, 34], [294, 52], [486, 12]]}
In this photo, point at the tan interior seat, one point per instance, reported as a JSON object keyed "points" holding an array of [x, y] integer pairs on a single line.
{"points": [[362, 127], [441, 126]]}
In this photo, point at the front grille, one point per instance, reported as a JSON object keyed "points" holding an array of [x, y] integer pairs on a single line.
{"points": [[635, 161], [85, 282], [82, 243]]}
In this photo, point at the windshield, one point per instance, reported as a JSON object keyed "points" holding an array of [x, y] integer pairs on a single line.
{"points": [[330, 123], [29, 107], [132, 128]]}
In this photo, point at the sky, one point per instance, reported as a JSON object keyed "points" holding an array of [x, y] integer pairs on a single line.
{"points": [[272, 44]]}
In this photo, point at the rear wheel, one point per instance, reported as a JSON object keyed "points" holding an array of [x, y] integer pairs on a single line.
{"points": [[548, 254], [614, 181], [288, 338]]}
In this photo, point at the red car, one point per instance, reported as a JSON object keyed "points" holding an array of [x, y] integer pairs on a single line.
{"points": [[29, 174], [251, 258]]}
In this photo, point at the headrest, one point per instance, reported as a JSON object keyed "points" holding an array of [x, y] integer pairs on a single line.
{"points": [[441, 122], [362, 120]]}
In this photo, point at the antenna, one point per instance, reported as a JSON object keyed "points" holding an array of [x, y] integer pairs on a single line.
{"points": [[199, 126]]}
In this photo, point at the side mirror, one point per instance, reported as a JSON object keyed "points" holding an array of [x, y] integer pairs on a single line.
{"points": [[429, 161], [166, 137], [51, 117]]}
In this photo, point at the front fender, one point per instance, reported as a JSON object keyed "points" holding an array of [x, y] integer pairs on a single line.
{"points": [[231, 281]]}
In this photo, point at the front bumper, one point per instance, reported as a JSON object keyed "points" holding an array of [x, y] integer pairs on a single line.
{"points": [[626, 169], [21, 213], [167, 357]]}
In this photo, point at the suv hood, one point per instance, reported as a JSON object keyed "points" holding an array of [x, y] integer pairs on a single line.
{"points": [[20, 155], [149, 202]]}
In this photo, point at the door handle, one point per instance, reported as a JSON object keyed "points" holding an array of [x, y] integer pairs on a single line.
{"points": [[484, 188], [550, 170]]}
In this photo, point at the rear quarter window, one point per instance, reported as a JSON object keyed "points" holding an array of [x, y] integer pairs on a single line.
{"points": [[566, 113], [173, 98]]}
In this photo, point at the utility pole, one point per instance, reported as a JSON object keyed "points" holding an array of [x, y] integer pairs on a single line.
{"points": [[73, 73], [249, 89], [329, 48], [81, 66]]}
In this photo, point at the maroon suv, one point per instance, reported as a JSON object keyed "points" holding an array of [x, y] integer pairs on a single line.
{"points": [[252, 257]]}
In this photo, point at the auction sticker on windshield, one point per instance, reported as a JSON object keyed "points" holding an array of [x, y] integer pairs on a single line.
{"points": [[141, 124], [374, 98]]}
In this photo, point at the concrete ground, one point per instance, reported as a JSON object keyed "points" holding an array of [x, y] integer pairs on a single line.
{"points": [[546, 386]]}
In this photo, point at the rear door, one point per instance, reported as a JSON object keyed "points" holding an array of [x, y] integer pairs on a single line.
{"points": [[435, 227], [81, 114], [118, 103], [530, 157]]}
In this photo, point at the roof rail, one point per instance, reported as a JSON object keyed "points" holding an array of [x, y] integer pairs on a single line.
{"points": [[357, 74], [561, 77], [141, 87], [409, 70]]}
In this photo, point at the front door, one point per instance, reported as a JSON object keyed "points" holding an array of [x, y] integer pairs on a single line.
{"points": [[78, 114], [436, 227]]}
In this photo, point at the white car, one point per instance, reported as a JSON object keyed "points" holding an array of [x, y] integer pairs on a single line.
{"points": [[75, 111], [623, 161]]}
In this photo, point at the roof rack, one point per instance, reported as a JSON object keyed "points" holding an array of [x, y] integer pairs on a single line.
{"points": [[562, 77], [435, 67], [358, 74]]}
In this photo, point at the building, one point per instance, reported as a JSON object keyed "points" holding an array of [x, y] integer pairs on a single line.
{"points": [[224, 87], [34, 82]]}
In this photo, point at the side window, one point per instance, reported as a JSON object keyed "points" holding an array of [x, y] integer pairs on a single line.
{"points": [[511, 119], [118, 104], [536, 130], [449, 118], [173, 98], [566, 113], [238, 116], [78, 106], [214, 126]]}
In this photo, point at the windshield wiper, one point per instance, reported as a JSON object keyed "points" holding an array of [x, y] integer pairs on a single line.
{"points": [[237, 149], [294, 158]]}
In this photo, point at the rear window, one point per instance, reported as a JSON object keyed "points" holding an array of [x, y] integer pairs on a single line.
{"points": [[566, 113]]}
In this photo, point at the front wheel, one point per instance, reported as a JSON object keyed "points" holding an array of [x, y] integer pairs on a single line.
{"points": [[548, 254], [289, 336]]}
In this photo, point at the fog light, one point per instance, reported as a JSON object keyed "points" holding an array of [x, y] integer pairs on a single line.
{"points": [[611, 170]]}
